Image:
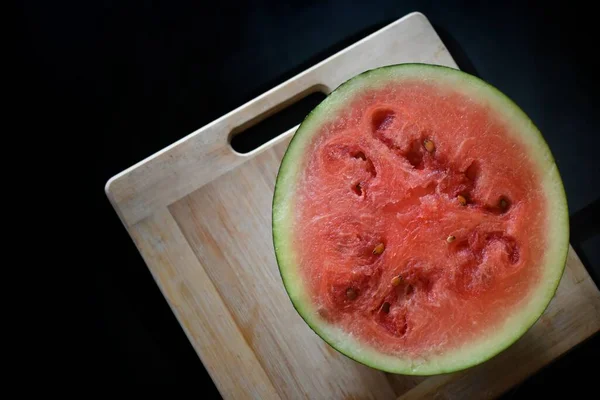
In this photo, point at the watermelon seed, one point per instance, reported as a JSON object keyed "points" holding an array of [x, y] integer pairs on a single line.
{"points": [[461, 200], [351, 293], [503, 204], [378, 249], [450, 238], [358, 189], [429, 145], [360, 155], [385, 307], [396, 280]]}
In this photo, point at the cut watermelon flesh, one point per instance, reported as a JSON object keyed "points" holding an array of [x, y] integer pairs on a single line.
{"points": [[422, 226]]}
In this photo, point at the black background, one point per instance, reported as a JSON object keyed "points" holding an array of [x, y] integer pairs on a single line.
{"points": [[137, 76]]}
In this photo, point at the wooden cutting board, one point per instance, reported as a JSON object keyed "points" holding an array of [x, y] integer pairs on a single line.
{"points": [[200, 214]]}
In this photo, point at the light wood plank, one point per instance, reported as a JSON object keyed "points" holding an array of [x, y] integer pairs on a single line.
{"points": [[200, 309], [237, 253], [204, 155]]}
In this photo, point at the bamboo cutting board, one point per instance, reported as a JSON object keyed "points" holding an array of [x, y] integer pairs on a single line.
{"points": [[200, 215]]}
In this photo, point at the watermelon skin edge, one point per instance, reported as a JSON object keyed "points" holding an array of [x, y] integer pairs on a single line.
{"points": [[517, 324]]}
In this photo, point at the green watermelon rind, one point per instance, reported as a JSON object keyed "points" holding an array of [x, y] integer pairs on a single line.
{"points": [[518, 323]]}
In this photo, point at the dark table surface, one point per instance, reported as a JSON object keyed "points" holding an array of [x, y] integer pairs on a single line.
{"points": [[143, 75]]}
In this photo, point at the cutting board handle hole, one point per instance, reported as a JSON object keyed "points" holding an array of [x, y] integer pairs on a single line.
{"points": [[273, 123]]}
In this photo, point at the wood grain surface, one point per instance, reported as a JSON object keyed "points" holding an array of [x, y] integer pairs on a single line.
{"points": [[200, 215]]}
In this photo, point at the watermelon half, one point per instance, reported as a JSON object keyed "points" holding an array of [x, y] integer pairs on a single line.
{"points": [[420, 223]]}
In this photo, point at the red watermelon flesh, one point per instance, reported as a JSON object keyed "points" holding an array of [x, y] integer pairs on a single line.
{"points": [[420, 222]]}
